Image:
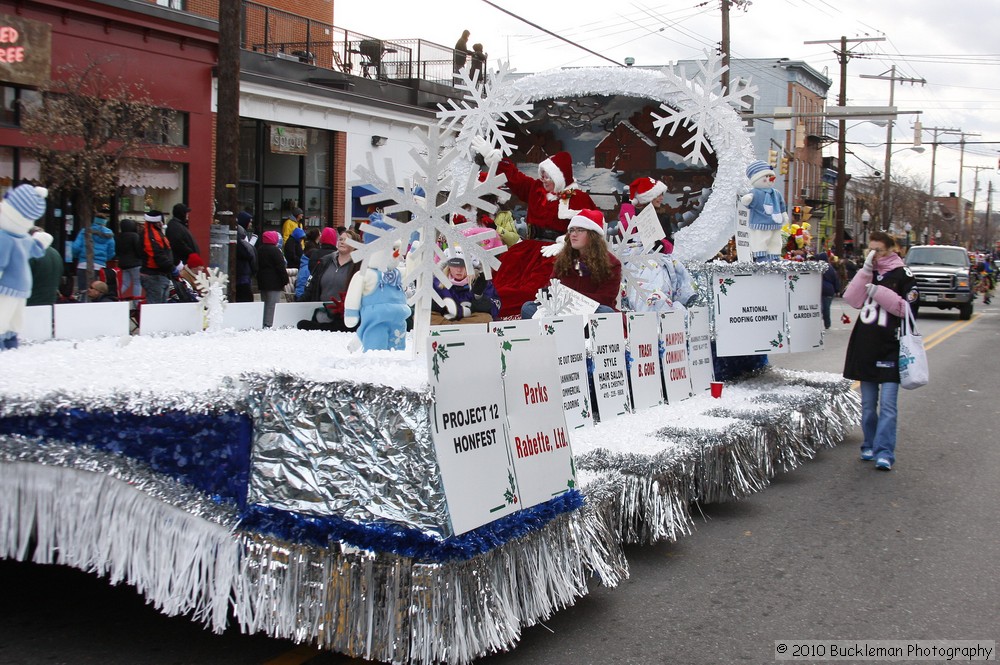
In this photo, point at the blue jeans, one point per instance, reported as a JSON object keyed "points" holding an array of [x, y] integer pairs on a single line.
{"points": [[157, 288], [878, 418], [827, 301], [529, 308]]}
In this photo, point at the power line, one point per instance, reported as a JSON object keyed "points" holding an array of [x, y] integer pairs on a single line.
{"points": [[546, 30]]}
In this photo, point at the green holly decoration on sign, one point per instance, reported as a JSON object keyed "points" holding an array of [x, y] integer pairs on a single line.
{"points": [[439, 353], [724, 283], [571, 483], [509, 494], [506, 346], [549, 329], [791, 281], [778, 342]]}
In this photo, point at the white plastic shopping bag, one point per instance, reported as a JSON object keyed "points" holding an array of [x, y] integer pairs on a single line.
{"points": [[913, 369]]}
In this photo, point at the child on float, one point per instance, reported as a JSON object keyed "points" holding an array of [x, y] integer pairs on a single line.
{"points": [[470, 299], [585, 265]]}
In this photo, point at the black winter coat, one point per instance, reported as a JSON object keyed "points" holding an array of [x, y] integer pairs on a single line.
{"points": [[128, 246], [271, 273], [181, 241]]}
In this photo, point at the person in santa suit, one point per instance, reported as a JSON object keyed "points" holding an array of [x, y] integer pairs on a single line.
{"points": [[644, 191], [882, 289], [553, 198]]}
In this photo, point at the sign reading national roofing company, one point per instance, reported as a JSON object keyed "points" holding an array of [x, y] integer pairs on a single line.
{"points": [[25, 50], [289, 140]]}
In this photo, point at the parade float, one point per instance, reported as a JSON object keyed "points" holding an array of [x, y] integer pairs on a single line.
{"points": [[425, 505]]}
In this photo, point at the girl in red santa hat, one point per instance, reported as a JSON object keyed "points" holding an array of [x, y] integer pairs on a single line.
{"points": [[553, 198], [644, 191], [585, 265]]}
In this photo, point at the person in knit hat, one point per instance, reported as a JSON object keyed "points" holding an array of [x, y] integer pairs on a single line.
{"points": [[246, 256], [585, 265], [159, 267], [20, 208], [103, 243], [271, 274], [645, 191], [768, 213], [553, 198]]}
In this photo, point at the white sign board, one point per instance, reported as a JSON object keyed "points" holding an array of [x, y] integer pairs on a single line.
{"points": [[515, 328], [648, 226], [805, 318], [469, 429], [743, 252], [700, 349], [749, 314], [644, 372], [571, 354], [607, 338], [674, 357], [539, 439]]}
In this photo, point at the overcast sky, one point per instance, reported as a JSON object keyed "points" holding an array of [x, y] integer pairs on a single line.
{"points": [[953, 45]]}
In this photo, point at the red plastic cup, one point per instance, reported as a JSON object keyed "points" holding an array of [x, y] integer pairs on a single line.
{"points": [[716, 389]]}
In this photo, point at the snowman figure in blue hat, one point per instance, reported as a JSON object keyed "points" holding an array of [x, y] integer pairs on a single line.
{"points": [[375, 299], [19, 210], [768, 213]]}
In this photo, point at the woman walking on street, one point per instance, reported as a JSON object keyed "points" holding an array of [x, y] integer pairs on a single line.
{"points": [[882, 289]]}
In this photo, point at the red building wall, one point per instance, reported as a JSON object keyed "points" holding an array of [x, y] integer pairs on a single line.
{"points": [[173, 62]]}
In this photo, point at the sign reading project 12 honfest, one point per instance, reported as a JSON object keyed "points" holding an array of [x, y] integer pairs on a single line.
{"points": [[700, 349], [539, 438], [674, 356], [607, 337], [469, 428], [749, 314], [644, 370], [805, 320]]}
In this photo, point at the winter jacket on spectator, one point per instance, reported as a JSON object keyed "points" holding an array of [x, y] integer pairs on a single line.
{"points": [[831, 281], [104, 244], [128, 247], [480, 296], [181, 241], [46, 272], [271, 272], [158, 257]]}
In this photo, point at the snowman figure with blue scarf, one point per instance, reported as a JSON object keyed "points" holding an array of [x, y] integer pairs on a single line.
{"points": [[19, 210], [768, 213]]}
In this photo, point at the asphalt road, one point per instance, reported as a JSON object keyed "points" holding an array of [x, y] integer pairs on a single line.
{"points": [[832, 550]]}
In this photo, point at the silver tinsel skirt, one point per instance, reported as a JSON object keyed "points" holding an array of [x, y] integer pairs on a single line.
{"points": [[363, 454]]}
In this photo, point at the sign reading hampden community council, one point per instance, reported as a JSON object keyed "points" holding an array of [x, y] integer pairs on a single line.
{"points": [[470, 428]]}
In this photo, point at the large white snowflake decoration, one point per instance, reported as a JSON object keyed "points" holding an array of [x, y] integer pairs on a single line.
{"points": [[635, 260], [429, 219], [484, 110], [701, 112], [557, 300], [211, 285]]}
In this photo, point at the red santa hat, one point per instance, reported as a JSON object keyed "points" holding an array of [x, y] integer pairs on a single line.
{"points": [[592, 220], [643, 190], [559, 167], [195, 261]]}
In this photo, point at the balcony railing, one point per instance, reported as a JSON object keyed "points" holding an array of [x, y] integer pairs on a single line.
{"points": [[292, 37]]}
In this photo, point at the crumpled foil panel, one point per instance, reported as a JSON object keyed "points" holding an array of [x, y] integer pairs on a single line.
{"points": [[361, 452]]}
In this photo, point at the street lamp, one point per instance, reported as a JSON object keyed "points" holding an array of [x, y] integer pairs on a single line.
{"points": [[865, 218]]}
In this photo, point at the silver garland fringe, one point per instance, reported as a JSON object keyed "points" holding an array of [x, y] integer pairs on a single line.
{"points": [[382, 606]]}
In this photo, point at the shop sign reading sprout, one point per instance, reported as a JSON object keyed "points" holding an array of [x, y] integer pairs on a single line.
{"points": [[289, 140]]}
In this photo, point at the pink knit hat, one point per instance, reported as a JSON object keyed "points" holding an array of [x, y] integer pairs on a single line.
{"points": [[270, 237], [328, 236]]}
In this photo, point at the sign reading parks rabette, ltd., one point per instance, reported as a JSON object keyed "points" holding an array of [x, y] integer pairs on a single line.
{"points": [[25, 51], [470, 429]]}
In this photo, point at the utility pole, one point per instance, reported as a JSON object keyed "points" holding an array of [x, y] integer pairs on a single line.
{"points": [[227, 129], [887, 187], [975, 191], [724, 44], [934, 144], [989, 213], [961, 172], [844, 56]]}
